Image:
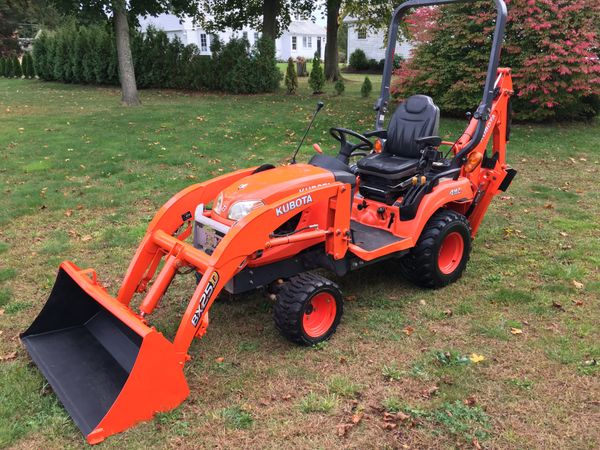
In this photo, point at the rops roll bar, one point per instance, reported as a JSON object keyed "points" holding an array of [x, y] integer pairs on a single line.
{"points": [[483, 111]]}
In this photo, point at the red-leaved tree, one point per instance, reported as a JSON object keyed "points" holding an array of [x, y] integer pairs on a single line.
{"points": [[551, 45]]}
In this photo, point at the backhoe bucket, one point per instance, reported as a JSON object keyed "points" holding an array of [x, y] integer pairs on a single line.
{"points": [[106, 366]]}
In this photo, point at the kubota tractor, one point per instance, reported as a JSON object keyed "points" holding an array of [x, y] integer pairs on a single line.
{"points": [[407, 197]]}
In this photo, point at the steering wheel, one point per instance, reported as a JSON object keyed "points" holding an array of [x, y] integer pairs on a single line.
{"points": [[347, 148]]}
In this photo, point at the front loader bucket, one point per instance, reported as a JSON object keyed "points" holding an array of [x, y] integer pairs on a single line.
{"points": [[106, 366]]}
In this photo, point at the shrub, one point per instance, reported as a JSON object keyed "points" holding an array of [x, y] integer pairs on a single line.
{"points": [[291, 78], [316, 80], [398, 60], [17, 69], [40, 55], [25, 65], [358, 60], [2, 67], [339, 86], [265, 75], [366, 87], [550, 46], [87, 54]]}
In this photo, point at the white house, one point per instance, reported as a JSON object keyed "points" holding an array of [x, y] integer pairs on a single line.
{"points": [[371, 42], [302, 38]]}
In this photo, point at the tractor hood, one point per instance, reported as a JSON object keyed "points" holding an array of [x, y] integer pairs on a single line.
{"points": [[269, 185]]}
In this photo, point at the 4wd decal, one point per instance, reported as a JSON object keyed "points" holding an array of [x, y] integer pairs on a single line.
{"points": [[294, 204], [206, 295]]}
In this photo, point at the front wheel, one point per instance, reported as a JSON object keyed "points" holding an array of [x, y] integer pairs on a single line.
{"points": [[442, 251], [309, 308]]}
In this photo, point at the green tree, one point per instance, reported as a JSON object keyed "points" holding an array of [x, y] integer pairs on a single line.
{"points": [[10, 68], [17, 67], [366, 88], [339, 86], [291, 77], [40, 55], [31, 65], [24, 65], [316, 80], [2, 67]]}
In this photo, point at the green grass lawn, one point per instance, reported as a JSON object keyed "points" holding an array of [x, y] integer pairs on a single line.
{"points": [[81, 177]]}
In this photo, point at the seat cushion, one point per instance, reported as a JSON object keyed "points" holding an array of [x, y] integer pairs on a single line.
{"points": [[388, 165], [417, 117]]}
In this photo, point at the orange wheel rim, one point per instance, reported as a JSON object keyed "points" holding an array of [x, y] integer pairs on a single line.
{"points": [[319, 314], [451, 252]]}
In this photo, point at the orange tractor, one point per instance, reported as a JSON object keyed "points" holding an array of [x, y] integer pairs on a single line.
{"points": [[404, 198]]}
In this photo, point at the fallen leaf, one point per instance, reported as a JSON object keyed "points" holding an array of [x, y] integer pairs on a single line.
{"points": [[8, 356], [356, 418], [220, 359], [390, 426], [387, 417], [557, 305], [350, 298], [563, 234], [1, 312], [69, 212], [429, 392], [342, 360], [408, 330], [475, 358], [286, 397], [514, 330], [471, 400], [577, 302], [476, 444], [343, 428], [578, 285], [402, 417], [549, 206], [448, 312], [87, 238]]}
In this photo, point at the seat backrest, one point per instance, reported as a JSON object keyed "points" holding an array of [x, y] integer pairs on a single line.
{"points": [[415, 118]]}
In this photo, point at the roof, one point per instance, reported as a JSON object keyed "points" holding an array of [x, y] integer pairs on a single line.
{"points": [[305, 27]]}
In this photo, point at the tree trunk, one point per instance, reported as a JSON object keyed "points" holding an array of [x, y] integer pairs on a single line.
{"points": [[271, 10], [332, 69], [129, 93]]}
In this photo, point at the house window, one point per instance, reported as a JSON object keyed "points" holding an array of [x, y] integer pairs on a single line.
{"points": [[294, 42], [304, 41], [203, 43], [256, 36], [362, 34], [309, 39]]}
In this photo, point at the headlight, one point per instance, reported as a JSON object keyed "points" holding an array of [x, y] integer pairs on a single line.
{"points": [[241, 209]]}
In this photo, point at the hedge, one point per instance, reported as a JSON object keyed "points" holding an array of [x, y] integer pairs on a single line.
{"points": [[87, 55]]}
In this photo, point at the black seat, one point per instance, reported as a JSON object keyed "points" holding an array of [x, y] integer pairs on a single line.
{"points": [[417, 117]]}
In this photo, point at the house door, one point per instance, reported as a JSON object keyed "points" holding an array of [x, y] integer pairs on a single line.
{"points": [[319, 47]]}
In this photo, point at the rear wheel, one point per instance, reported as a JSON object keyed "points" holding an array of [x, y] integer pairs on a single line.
{"points": [[442, 251], [309, 308]]}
